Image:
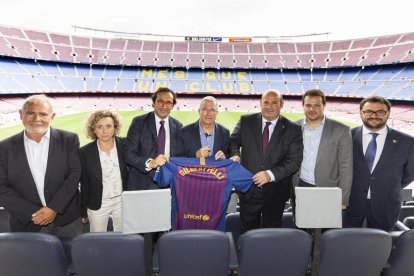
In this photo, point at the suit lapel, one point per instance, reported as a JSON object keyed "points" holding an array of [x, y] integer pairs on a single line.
{"points": [[152, 126], [52, 155], [173, 134], [327, 133], [390, 146], [21, 158], [95, 160], [257, 131], [358, 141], [119, 148], [196, 133], [358, 149], [217, 139], [276, 134]]}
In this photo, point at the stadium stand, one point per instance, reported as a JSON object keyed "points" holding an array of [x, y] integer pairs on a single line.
{"points": [[18, 42], [29, 76], [83, 73]]}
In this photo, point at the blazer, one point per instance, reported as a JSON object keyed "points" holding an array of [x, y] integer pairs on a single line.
{"points": [[141, 144], [91, 179], [394, 171], [18, 192], [189, 140], [284, 156], [334, 158]]}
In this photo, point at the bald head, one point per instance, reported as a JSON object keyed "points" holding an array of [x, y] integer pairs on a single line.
{"points": [[271, 104]]}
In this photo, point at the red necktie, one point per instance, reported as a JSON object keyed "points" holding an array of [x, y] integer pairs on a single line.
{"points": [[265, 138], [161, 138]]}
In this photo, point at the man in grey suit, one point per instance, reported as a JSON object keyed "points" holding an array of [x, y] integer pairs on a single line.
{"points": [[271, 147], [151, 139], [39, 174], [383, 165], [327, 154]]}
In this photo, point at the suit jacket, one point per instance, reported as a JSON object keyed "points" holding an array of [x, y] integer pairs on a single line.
{"points": [[284, 156], [91, 179], [334, 159], [18, 193], [189, 140], [141, 144], [394, 171]]}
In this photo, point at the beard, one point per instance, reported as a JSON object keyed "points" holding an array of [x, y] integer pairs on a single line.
{"points": [[375, 123]]}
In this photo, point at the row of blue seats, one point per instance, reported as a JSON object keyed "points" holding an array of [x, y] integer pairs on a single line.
{"points": [[207, 252]]}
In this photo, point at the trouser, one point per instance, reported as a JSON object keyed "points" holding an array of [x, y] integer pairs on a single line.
{"points": [[98, 219], [70, 230]]}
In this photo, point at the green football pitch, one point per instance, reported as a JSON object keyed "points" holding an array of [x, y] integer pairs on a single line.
{"points": [[75, 122]]}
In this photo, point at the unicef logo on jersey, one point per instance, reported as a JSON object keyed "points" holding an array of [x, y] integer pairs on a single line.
{"points": [[197, 217]]}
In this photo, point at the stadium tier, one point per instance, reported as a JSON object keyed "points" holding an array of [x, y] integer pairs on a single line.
{"points": [[34, 61], [31, 76], [40, 45]]}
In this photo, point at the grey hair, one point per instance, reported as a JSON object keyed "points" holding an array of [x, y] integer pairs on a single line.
{"points": [[42, 98], [209, 99]]}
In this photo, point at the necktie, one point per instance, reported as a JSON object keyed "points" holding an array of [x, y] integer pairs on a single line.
{"points": [[161, 138], [371, 151], [265, 138]]}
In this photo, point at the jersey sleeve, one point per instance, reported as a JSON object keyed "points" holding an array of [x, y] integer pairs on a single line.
{"points": [[163, 176], [241, 178]]}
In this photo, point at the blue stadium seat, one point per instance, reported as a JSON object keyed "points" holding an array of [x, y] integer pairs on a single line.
{"points": [[232, 225], [271, 251], [406, 211], [194, 252], [409, 222], [401, 259], [109, 253], [287, 220], [354, 251], [32, 254]]}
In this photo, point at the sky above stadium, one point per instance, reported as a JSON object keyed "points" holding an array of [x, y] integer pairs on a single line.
{"points": [[226, 18]]}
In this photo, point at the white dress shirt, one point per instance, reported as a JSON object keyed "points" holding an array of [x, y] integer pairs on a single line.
{"points": [[271, 128], [366, 138], [37, 156], [167, 132], [167, 138]]}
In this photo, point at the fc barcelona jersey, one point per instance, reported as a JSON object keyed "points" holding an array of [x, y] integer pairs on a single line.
{"points": [[201, 192]]}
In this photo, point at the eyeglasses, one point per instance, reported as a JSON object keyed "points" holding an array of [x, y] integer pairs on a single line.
{"points": [[162, 102], [379, 113]]}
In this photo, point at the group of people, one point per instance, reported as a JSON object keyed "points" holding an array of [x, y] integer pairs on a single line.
{"points": [[41, 167]]}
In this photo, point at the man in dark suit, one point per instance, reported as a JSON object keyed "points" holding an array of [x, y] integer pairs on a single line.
{"points": [[204, 138], [383, 165], [151, 139], [272, 149], [39, 174]]}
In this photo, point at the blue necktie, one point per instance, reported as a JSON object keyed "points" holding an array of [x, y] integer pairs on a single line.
{"points": [[371, 151]]}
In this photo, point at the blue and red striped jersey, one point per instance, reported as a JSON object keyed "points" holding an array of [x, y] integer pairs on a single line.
{"points": [[201, 193]]}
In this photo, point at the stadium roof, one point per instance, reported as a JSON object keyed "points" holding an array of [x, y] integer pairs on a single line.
{"points": [[346, 20]]}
